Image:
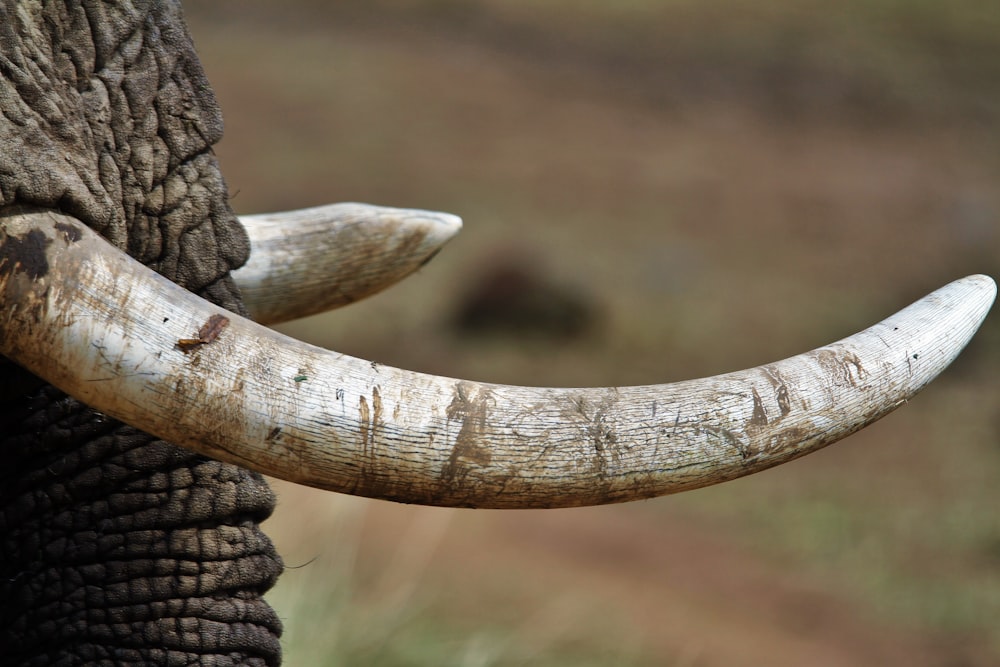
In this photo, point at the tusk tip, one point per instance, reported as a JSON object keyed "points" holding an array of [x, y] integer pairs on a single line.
{"points": [[439, 227], [974, 294], [985, 284], [309, 260]]}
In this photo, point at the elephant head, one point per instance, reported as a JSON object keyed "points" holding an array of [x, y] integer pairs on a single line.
{"points": [[122, 296]]}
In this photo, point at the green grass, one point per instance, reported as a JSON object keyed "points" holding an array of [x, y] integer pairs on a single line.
{"points": [[351, 604]]}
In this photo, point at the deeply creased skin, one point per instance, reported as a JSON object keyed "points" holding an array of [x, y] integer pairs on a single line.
{"points": [[116, 547], [128, 549]]}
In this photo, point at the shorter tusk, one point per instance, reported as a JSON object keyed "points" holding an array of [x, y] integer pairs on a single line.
{"points": [[316, 259], [129, 343]]}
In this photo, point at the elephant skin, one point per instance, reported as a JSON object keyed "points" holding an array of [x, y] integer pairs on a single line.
{"points": [[118, 547]]}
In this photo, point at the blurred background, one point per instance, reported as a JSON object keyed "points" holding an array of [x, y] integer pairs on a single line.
{"points": [[651, 191]]}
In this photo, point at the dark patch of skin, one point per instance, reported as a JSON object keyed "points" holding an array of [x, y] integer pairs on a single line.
{"points": [[25, 255]]}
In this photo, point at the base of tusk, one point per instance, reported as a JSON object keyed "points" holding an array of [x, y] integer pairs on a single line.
{"points": [[131, 344], [312, 260]]}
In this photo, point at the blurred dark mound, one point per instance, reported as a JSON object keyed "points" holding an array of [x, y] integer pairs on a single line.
{"points": [[516, 298]]}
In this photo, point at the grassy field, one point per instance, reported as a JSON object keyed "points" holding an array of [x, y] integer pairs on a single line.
{"points": [[725, 183]]}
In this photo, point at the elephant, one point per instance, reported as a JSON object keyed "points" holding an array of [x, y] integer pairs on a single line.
{"points": [[141, 401]]}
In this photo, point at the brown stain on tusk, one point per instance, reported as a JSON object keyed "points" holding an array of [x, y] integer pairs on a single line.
{"points": [[843, 366], [759, 417], [206, 334], [780, 389], [370, 421], [600, 433], [370, 418], [364, 422], [71, 233], [25, 255], [469, 407]]}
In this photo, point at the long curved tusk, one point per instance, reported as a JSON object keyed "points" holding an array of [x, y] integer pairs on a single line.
{"points": [[316, 259], [129, 343]]}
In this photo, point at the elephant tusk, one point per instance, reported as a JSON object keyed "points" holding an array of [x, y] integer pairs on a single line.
{"points": [[316, 259], [133, 345]]}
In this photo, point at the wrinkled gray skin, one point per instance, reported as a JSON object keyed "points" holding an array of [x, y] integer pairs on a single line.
{"points": [[118, 547]]}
